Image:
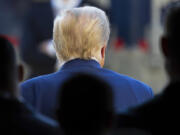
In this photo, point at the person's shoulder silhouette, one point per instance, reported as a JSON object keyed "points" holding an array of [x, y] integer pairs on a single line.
{"points": [[15, 116]]}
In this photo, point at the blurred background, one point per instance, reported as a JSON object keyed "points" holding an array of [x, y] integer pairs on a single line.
{"points": [[134, 44]]}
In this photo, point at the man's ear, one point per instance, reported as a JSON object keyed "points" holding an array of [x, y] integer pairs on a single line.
{"points": [[103, 51], [164, 46], [20, 73]]}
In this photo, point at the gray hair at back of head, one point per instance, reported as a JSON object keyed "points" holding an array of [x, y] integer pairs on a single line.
{"points": [[81, 33]]}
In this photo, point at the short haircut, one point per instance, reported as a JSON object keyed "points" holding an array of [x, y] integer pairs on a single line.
{"points": [[172, 29], [80, 33], [85, 103], [8, 62]]}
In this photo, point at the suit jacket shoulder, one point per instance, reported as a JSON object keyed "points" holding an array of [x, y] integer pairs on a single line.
{"points": [[127, 91], [135, 85]]}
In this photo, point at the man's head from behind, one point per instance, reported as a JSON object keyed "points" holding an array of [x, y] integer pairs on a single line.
{"points": [[81, 33], [170, 42], [86, 105], [8, 68]]}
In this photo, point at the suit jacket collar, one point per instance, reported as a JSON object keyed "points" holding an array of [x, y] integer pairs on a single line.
{"points": [[76, 63]]}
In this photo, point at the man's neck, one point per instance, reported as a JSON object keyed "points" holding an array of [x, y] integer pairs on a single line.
{"points": [[61, 63]]}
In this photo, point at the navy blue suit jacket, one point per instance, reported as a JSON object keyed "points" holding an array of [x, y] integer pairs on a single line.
{"points": [[41, 92]]}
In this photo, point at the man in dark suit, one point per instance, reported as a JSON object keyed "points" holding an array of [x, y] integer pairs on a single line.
{"points": [[16, 118], [80, 39], [161, 115], [78, 113], [36, 43]]}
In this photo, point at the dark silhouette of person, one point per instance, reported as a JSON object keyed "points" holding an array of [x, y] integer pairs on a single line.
{"points": [[15, 116], [161, 114], [85, 106]]}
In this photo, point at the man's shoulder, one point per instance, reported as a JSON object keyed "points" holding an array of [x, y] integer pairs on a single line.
{"points": [[34, 86], [37, 80], [124, 81], [121, 77]]}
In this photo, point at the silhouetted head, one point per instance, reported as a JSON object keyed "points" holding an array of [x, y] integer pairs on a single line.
{"points": [[85, 106], [170, 42], [9, 71]]}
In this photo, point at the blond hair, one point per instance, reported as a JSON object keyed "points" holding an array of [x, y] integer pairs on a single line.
{"points": [[80, 33]]}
